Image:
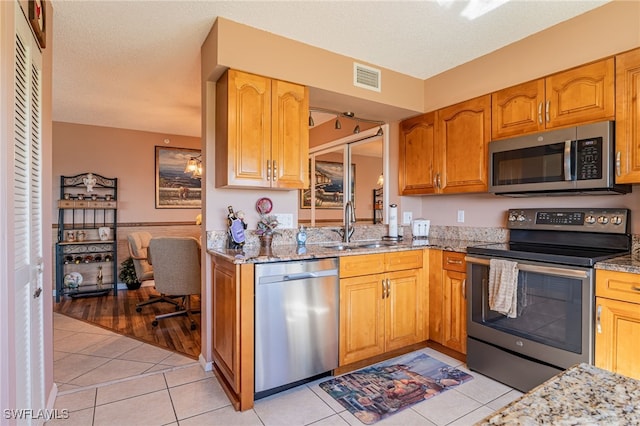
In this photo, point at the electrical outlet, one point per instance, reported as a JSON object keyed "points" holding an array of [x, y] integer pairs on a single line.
{"points": [[285, 220], [460, 216], [407, 217]]}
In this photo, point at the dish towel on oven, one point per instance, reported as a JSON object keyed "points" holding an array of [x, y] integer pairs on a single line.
{"points": [[503, 287]]}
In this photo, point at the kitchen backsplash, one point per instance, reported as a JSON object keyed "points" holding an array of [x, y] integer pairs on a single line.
{"points": [[217, 239]]}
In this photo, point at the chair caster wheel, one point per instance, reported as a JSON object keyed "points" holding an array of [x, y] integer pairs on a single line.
{"points": [[154, 323], [138, 309], [193, 326]]}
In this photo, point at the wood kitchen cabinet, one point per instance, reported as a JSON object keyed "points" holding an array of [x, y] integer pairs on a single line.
{"points": [[617, 322], [463, 135], [417, 157], [262, 135], [577, 96], [447, 300], [232, 329], [382, 304], [628, 117], [446, 151]]}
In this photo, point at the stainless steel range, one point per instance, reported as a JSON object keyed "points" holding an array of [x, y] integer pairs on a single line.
{"points": [[549, 326]]}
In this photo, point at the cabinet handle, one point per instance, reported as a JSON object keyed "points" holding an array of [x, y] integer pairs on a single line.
{"points": [[275, 170], [454, 261], [540, 113], [439, 181], [618, 163], [598, 314], [435, 181], [464, 289], [547, 112], [268, 170], [384, 290], [388, 288]]}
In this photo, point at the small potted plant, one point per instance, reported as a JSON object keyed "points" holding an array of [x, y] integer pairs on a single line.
{"points": [[128, 274], [266, 228]]}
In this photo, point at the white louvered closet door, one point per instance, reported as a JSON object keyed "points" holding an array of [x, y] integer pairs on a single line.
{"points": [[27, 217]]}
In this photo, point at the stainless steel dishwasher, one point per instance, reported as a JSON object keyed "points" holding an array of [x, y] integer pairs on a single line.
{"points": [[296, 322]]}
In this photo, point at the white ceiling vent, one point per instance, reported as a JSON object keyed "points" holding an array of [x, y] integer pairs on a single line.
{"points": [[366, 77]]}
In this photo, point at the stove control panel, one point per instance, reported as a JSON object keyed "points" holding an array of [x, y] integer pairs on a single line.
{"points": [[583, 220]]}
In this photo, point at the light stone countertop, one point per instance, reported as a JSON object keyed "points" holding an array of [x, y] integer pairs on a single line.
{"points": [[581, 395], [278, 253], [629, 263]]}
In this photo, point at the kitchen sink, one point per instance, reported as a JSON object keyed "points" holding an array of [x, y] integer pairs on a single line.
{"points": [[362, 245]]}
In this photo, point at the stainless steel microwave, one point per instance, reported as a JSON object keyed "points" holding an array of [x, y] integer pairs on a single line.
{"points": [[575, 160]]}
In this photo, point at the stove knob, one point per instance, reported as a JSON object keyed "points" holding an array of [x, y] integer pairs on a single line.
{"points": [[603, 220], [590, 219], [512, 217], [616, 220], [521, 218]]}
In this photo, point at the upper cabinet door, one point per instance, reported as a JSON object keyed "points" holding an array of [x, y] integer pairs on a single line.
{"points": [[518, 109], [262, 138], [417, 155], [464, 132], [243, 130], [577, 96], [628, 117], [581, 95], [289, 135]]}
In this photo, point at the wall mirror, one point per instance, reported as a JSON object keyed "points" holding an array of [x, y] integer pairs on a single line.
{"points": [[332, 183]]}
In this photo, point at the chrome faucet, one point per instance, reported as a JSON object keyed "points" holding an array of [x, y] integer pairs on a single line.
{"points": [[349, 221]]}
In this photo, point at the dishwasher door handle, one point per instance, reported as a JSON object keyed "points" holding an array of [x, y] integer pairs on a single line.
{"points": [[297, 276], [300, 276]]}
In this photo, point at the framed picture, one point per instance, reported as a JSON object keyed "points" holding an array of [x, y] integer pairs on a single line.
{"points": [[38, 21], [329, 186], [175, 187]]}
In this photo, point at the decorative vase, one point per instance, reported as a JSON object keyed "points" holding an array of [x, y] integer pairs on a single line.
{"points": [[265, 244]]}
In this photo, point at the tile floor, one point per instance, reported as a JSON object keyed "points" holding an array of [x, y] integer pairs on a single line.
{"points": [[108, 379]]}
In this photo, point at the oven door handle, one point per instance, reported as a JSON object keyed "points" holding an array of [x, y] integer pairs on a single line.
{"points": [[546, 270]]}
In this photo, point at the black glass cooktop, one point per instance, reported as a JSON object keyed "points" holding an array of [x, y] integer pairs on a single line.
{"points": [[564, 255]]}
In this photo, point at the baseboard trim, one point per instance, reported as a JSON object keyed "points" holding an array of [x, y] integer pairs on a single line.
{"points": [[206, 365]]}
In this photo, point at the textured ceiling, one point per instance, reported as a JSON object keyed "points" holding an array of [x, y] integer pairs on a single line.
{"points": [[135, 64]]}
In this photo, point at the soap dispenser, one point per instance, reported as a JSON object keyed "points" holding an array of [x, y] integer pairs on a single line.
{"points": [[301, 237]]}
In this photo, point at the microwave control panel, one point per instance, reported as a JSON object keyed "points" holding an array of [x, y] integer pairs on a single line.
{"points": [[579, 219], [589, 164]]}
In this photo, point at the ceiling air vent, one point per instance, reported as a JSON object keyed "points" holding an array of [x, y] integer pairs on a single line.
{"points": [[366, 77]]}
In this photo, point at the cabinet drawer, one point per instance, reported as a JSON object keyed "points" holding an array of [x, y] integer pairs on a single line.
{"points": [[66, 204], [400, 260], [618, 285], [101, 204], [366, 264], [453, 261]]}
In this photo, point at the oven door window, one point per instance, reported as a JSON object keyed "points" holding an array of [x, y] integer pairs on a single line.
{"points": [[545, 163], [549, 310]]}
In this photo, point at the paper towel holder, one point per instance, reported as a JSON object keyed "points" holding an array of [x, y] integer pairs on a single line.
{"points": [[393, 222]]}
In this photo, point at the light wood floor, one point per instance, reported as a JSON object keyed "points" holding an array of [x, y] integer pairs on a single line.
{"points": [[118, 313]]}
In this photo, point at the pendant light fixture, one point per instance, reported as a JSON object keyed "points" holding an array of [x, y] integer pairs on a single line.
{"points": [[337, 125]]}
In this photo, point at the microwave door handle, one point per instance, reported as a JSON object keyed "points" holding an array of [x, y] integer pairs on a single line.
{"points": [[567, 160]]}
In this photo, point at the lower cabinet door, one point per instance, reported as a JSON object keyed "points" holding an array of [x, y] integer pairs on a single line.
{"points": [[617, 336], [454, 321], [404, 309], [361, 318]]}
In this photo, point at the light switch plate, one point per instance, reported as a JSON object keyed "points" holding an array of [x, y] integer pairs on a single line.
{"points": [[285, 220], [460, 216], [407, 217]]}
